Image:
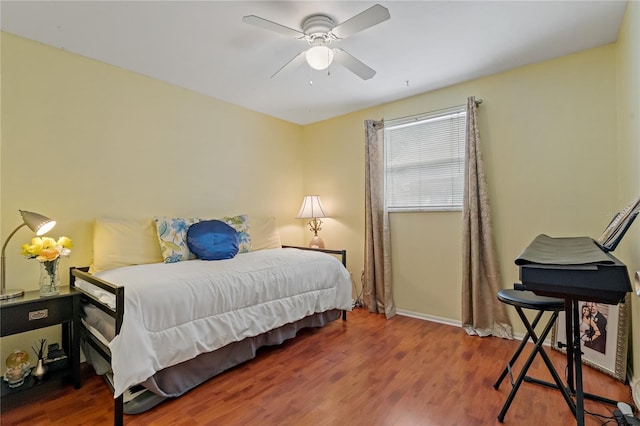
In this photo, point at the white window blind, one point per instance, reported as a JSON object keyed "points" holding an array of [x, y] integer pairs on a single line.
{"points": [[424, 161]]}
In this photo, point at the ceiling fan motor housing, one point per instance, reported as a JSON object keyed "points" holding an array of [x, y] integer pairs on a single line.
{"points": [[317, 29]]}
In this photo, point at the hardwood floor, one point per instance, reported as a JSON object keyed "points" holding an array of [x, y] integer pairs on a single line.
{"points": [[365, 371]]}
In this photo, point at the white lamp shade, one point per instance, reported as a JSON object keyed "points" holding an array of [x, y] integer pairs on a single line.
{"points": [[311, 208], [319, 57], [37, 223]]}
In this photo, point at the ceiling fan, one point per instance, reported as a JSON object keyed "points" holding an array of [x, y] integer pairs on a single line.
{"points": [[319, 31]]}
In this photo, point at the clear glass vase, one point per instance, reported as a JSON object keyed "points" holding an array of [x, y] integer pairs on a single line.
{"points": [[49, 277]]}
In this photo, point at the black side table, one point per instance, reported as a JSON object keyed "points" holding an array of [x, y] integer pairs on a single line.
{"points": [[31, 312]]}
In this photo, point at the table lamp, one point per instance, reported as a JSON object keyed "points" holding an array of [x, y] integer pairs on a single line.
{"points": [[312, 209], [37, 223]]}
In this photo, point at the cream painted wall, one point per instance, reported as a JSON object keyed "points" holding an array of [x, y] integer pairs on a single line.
{"points": [[548, 139], [82, 139], [628, 76], [118, 143], [426, 275], [333, 161]]}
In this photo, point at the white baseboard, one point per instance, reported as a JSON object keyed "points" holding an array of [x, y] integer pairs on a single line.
{"points": [[448, 321], [431, 318]]}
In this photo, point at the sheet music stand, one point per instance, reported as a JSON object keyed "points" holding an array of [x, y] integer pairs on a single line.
{"points": [[611, 237]]}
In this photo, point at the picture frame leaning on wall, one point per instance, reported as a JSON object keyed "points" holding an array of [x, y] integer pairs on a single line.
{"points": [[604, 336]]}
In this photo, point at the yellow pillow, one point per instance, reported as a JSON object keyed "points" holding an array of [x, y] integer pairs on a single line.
{"points": [[264, 233], [124, 242]]}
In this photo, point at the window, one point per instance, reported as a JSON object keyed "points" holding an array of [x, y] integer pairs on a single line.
{"points": [[424, 161]]}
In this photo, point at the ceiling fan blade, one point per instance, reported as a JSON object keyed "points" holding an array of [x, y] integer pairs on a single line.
{"points": [[292, 64], [370, 17], [352, 64], [272, 26]]}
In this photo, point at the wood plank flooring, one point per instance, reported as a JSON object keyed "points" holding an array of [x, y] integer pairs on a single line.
{"points": [[365, 371]]}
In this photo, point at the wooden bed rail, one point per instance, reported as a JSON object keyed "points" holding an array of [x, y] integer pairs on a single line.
{"points": [[342, 253], [117, 315], [117, 291]]}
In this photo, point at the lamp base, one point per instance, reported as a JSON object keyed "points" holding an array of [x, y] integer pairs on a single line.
{"points": [[316, 242], [11, 293]]}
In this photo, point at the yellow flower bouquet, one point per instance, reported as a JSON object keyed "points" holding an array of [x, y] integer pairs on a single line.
{"points": [[48, 251]]}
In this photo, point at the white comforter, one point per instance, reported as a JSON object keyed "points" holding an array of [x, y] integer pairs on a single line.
{"points": [[174, 312]]}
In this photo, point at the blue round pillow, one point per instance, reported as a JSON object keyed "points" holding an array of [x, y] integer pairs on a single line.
{"points": [[212, 240]]}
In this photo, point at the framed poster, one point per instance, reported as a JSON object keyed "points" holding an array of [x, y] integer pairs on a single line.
{"points": [[604, 331]]}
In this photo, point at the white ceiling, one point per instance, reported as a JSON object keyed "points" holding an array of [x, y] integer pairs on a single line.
{"points": [[203, 45]]}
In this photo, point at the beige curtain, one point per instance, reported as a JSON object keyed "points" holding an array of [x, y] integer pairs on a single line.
{"points": [[378, 295], [482, 313]]}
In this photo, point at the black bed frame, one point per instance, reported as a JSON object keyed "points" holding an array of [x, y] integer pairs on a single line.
{"points": [[83, 274], [89, 338]]}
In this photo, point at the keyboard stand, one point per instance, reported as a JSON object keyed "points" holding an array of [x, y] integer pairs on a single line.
{"points": [[574, 365]]}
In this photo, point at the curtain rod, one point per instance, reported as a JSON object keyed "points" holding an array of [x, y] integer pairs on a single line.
{"points": [[478, 102]]}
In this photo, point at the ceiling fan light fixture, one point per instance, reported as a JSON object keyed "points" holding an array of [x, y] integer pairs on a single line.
{"points": [[319, 57], [319, 31]]}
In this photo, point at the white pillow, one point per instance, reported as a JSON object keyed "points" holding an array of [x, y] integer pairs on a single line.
{"points": [[264, 233], [124, 242]]}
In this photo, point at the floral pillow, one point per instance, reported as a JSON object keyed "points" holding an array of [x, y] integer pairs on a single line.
{"points": [[172, 235], [241, 224]]}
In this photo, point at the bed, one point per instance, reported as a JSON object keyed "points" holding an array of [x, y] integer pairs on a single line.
{"points": [[159, 329]]}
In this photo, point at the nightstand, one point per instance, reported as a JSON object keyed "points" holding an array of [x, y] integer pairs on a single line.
{"points": [[31, 312]]}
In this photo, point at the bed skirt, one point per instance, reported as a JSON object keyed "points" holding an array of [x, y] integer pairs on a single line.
{"points": [[180, 378]]}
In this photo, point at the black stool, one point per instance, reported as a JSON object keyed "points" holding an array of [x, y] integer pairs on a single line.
{"points": [[528, 300]]}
